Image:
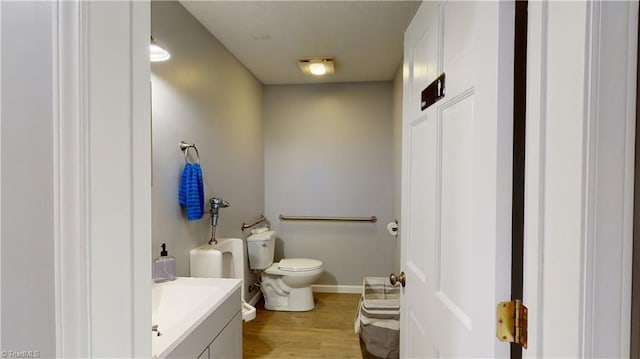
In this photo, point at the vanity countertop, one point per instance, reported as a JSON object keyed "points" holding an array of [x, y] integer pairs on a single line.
{"points": [[182, 305]]}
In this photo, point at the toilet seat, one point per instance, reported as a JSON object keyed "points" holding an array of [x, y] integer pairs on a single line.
{"points": [[299, 264], [294, 266]]}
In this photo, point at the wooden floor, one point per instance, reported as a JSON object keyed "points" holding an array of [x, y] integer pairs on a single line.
{"points": [[325, 332]]}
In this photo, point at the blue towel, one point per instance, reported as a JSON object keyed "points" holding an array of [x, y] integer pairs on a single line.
{"points": [[191, 193]]}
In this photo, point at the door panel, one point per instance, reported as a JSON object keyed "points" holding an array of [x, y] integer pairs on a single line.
{"points": [[425, 61], [419, 342], [456, 174], [421, 148], [423, 204], [454, 261]]}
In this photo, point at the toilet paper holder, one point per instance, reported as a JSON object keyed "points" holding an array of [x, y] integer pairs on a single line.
{"points": [[392, 228]]}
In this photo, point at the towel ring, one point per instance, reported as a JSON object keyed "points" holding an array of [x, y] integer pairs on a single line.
{"points": [[186, 152], [185, 148]]}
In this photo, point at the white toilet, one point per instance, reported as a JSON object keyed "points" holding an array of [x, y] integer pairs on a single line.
{"points": [[286, 285]]}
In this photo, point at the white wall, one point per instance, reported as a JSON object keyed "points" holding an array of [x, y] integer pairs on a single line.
{"points": [[27, 225], [202, 95], [328, 152]]}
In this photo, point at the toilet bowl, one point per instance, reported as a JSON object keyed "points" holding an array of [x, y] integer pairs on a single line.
{"points": [[285, 285]]}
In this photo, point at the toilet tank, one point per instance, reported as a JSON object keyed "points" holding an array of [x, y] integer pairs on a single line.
{"points": [[261, 248]]}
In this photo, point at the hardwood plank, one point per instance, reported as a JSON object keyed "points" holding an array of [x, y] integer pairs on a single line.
{"points": [[325, 332]]}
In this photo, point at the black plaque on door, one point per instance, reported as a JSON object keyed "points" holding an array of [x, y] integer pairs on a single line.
{"points": [[432, 93]]}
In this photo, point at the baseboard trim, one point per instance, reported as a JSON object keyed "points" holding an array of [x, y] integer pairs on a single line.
{"points": [[333, 288], [254, 300]]}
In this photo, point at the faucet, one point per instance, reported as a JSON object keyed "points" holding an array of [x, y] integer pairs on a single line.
{"points": [[215, 203]]}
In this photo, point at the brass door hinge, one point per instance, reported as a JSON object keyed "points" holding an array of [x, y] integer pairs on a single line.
{"points": [[512, 322]]}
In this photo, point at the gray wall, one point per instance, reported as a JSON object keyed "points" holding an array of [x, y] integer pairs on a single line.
{"points": [[202, 95], [397, 160], [328, 152], [27, 227]]}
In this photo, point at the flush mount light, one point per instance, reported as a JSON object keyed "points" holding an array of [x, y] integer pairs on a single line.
{"points": [[261, 36], [157, 52], [317, 66]]}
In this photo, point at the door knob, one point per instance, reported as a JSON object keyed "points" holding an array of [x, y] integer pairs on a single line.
{"points": [[394, 279]]}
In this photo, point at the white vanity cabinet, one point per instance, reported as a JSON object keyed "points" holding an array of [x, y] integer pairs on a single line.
{"points": [[215, 334], [228, 344], [220, 335]]}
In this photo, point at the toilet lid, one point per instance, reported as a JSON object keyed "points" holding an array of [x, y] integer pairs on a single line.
{"points": [[299, 264]]}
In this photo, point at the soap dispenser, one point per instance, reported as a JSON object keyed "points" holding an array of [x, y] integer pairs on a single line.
{"points": [[164, 267]]}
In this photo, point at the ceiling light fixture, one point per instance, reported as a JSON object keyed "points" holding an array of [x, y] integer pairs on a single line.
{"points": [[157, 52], [261, 36], [317, 66]]}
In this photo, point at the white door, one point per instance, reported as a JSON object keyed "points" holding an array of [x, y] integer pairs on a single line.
{"points": [[456, 235]]}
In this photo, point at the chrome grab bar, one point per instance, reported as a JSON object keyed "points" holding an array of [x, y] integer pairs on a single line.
{"points": [[260, 219], [372, 219]]}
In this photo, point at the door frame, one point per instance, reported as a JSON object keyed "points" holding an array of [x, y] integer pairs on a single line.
{"points": [[102, 178], [581, 90]]}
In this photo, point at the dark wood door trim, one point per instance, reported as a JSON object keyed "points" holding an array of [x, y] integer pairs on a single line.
{"points": [[519, 132]]}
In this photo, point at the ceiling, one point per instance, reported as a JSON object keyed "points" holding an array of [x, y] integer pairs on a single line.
{"points": [[269, 37]]}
